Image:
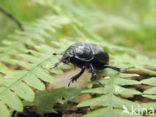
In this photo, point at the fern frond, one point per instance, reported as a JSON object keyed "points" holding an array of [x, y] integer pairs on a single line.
{"points": [[115, 95], [111, 101], [44, 101], [31, 51], [33, 59]]}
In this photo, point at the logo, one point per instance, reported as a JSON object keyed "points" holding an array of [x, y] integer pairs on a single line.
{"points": [[137, 110]]}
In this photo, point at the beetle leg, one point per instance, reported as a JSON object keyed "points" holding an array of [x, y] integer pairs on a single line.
{"points": [[112, 67], [74, 78], [94, 75]]}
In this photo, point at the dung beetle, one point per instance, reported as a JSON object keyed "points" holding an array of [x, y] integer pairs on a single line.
{"points": [[86, 56]]}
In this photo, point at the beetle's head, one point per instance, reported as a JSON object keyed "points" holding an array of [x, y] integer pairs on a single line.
{"points": [[66, 57], [65, 60]]}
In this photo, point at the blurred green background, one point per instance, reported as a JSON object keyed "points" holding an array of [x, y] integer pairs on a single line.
{"points": [[129, 23]]}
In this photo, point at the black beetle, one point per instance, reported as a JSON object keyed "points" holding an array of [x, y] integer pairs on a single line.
{"points": [[86, 56]]}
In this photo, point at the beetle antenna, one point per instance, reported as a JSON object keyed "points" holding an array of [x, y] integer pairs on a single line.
{"points": [[57, 53], [56, 64]]}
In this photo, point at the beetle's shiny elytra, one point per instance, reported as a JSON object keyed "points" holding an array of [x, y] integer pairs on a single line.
{"points": [[86, 56]]}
